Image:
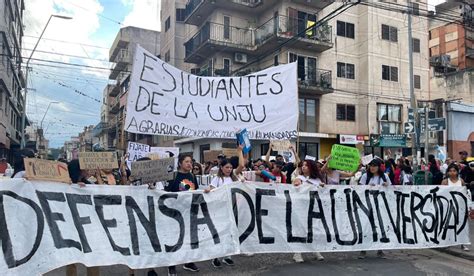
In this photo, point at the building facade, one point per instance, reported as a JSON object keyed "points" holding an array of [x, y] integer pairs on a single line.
{"points": [[353, 73], [451, 47], [110, 128], [11, 76]]}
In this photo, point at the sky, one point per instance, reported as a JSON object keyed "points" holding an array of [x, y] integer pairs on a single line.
{"points": [[84, 40]]}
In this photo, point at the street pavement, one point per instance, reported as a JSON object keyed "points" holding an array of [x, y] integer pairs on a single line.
{"points": [[446, 261], [400, 262]]}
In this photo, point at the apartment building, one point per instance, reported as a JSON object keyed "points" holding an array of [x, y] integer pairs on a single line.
{"points": [[11, 77], [353, 74], [115, 95], [451, 47]]}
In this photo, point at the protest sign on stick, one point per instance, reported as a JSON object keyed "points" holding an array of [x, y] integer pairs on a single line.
{"points": [[281, 145], [164, 100], [152, 171], [211, 155], [344, 158], [98, 160], [136, 151], [229, 152], [39, 169]]}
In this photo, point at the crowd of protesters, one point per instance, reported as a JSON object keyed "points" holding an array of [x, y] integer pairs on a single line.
{"points": [[299, 172]]}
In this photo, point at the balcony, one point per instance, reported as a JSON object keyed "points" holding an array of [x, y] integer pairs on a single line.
{"points": [[197, 11], [314, 81], [121, 61], [99, 129], [315, 4], [114, 105], [114, 89], [213, 36], [281, 28]]}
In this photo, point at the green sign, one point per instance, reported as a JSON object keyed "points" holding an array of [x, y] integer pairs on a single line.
{"points": [[344, 158], [388, 140]]}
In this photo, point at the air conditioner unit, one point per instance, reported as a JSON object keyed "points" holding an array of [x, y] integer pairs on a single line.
{"points": [[240, 58]]}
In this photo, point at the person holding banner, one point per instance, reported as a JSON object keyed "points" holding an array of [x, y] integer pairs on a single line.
{"points": [[374, 176], [311, 175], [225, 176], [184, 180]]}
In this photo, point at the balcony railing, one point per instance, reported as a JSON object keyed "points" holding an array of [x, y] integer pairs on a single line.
{"points": [[311, 77], [252, 39], [207, 6], [221, 34], [293, 27]]}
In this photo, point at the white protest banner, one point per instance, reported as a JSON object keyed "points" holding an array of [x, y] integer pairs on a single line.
{"points": [[106, 225], [102, 225], [136, 151], [164, 100], [282, 218]]}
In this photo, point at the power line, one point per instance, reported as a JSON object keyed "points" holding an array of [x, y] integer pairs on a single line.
{"points": [[69, 42], [68, 55]]}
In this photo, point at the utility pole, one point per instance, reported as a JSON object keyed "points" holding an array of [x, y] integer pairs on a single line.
{"points": [[427, 141], [416, 135]]}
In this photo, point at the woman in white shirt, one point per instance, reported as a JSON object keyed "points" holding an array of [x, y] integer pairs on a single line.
{"points": [[375, 177], [225, 176], [311, 175], [453, 179]]}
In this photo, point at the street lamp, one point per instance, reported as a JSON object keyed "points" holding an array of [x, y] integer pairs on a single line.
{"points": [[46, 112], [23, 115]]}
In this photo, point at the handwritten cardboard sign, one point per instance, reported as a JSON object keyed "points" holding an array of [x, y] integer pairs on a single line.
{"points": [[153, 170], [98, 160], [39, 169], [344, 158], [136, 151], [229, 152], [211, 155], [281, 145]]}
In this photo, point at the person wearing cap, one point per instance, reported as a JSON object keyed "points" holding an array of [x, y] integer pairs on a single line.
{"points": [[374, 176], [463, 154], [19, 168]]}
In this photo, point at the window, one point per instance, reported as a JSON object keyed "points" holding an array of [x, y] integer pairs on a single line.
{"points": [[389, 73], [167, 56], [389, 117], [167, 24], [226, 69], [416, 8], [180, 15], [345, 29], [226, 27], [308, 114], [307, 69], [345, 70], [417, 81], [416, 45], [311, 149], [389, 33], [345, 112]]}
